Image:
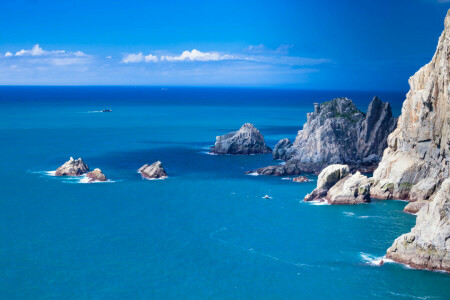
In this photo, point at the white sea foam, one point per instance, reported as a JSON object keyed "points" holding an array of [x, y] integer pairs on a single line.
{"points": [[94, 111], [253, 174], [282, 163], [348, 214], [374, 260], [207, 153], [286, 178], [50, 173], [316, 202]]}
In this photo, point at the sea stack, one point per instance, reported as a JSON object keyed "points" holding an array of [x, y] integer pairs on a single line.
{"points": [[95, 176], [247, 140], [415, 165], [153, 171], [336, 133], [72, 167]]}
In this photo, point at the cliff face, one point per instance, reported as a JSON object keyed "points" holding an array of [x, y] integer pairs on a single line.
{"points": [[336, 133], [418, 149], [415, 165]]}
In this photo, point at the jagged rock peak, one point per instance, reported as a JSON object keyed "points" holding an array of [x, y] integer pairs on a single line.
{"points": [[247, 140], [72, 167], [153, 171], [336, 133]]}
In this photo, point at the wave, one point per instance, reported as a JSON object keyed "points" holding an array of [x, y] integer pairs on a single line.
{"points": [[253, 174], [207, 153], [348, 214], [72, 179], [374, 260], [316, 202]]}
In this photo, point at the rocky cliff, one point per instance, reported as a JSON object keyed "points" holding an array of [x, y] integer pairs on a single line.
{"points": [[153, 171], [72, 167], [247, 140], [415, 165], [336, 133]]}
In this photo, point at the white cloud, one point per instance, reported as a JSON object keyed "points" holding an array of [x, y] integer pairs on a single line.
{"points": [[261, 48], [38, 51], [139, 57], [8, 54], [151, 57], [196, 55]]}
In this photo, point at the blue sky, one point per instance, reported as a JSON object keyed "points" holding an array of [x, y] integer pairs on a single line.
{"points": [[322, 44]]}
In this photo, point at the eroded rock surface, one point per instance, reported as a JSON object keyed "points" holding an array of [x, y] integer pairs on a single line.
{"points": [[153, 171], [247, 140], [72, 167], [427, 246], [352, 189], [415, 164], [96, 175], [336, 133], [327, 178]]}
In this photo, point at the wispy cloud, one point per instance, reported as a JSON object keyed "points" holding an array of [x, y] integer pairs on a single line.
{"points": [[196, 55], [262, 49]]}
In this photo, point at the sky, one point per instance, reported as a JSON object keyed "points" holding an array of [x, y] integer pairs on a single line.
{"points": [[321, 44]]}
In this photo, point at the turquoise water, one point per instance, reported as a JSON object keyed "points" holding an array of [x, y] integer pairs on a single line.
{"points": [[206, 231]]}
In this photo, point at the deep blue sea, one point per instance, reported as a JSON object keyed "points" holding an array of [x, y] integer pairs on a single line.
{"points": [[203, 233]]}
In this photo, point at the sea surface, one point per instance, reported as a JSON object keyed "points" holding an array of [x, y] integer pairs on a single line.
{"points": [[206, 232]]}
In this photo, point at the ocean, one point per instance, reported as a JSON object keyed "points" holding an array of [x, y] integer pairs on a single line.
{"points": [[206, 232]]}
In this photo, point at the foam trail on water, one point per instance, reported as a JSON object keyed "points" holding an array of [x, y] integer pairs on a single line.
{"points": [[253, 251], [253, 174]]}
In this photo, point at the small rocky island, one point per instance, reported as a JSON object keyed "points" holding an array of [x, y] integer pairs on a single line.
{"points": [[247, 140], [72, 167], [96, 176], [153, 171], [336, 133]]}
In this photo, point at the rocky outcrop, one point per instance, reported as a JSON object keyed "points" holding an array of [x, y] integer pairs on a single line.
{"points": [[279, 152], [352, 189], [415, 165], [72, 167], [336, 133], [427, 246], [327, 178], [95, 176], [301, 179], [247, 140], [414, 207], [153, 171]]}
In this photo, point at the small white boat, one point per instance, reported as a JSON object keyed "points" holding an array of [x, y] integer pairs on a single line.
{"points": [[267, 197]]}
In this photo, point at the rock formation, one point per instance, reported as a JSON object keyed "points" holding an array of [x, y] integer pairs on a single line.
{"points": [[95, 175], [300, 179], [72, 167], [427, 246], [415, 165], [336, 133], [327, 178], [153, 171], [352, 189], [247, 140]]}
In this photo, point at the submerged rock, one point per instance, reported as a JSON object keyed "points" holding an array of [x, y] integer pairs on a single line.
{"points": [[96, 175], [153, 171], [247, 140], [72, 167], [336, 133]]}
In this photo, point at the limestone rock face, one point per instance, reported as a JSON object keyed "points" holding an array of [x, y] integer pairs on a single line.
{"points": [[414, 207], [352, 189], [96, 175], [153, 171], [418, 150], [427, 246], [247, 140], [337, 133], [279, 152], [415, 165], [72, 167], [327, 178]]}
